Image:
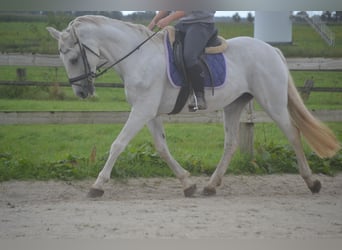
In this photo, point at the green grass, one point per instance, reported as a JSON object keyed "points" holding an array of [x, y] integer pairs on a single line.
{"points": [[20, 98], [230, 30], [113, 99], [306, 41], [26, 37], [63, 152], [321, 100], [36, 142], [49, 74], [32, 37], [108, 99]]}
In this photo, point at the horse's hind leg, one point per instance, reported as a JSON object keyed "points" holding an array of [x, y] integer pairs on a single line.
{"points": [[232, 115], [293, 135], [157, 130]]}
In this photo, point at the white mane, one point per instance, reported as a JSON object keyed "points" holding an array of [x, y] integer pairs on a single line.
{"points": [[102, 20]]}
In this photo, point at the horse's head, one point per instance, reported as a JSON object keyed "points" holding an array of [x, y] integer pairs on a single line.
{"points": [[79, 57]]}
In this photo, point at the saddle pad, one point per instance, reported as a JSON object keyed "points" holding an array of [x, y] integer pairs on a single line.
{"points": [[216, 62]]}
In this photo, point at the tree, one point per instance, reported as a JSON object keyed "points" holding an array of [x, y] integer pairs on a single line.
{"points": [[338, 16], [116, 15], [141, 16], [326, 16], [250, 17], [236, 17], [302, 13]]}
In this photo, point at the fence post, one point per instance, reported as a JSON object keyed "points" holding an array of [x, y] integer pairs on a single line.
{"points": [[308, 85], [246, 132], [21, 74]]}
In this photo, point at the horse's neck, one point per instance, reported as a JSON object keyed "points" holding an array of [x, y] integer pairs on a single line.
{"points": [[120, 39]]}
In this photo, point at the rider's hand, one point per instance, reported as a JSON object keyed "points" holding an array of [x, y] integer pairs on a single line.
{"points": [[162, 23], [151, 25]]}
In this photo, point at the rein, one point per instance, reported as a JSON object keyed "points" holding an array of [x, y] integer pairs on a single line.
{"points": [[90, 75], [127, 55]]}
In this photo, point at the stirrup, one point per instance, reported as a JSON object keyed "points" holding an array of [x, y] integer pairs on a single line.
{"points": [[198, 102], [192, 107]]}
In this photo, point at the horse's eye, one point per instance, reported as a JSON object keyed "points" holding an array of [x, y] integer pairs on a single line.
{"points": [[74, 60]]}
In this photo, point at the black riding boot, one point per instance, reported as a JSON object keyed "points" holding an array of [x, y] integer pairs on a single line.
{"points": [[196, 76]]}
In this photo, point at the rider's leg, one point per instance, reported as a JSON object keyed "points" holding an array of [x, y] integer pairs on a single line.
{"points": [[196, 37]]}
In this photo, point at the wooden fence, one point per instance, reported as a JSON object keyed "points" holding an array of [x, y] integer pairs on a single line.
{"points": [[249, 117], [315, 64], [111, 117]]}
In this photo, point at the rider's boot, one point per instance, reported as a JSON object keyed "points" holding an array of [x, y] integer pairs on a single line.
{"points": [[196, 76]]}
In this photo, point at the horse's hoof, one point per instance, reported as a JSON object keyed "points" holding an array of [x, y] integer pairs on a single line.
{"points": [[316, 187], [209, 191], [189, 192], [95, 192]]}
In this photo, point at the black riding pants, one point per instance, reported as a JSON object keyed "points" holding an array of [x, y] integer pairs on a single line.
{"points": [[196, 38]]}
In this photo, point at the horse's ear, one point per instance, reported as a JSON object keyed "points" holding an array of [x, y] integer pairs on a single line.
{"points": [[54, 33]]}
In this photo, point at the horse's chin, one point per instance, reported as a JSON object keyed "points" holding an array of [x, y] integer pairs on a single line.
{"points": [[81, 94]]}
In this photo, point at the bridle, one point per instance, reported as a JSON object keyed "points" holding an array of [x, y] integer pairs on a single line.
{"points": [[88, 73]]}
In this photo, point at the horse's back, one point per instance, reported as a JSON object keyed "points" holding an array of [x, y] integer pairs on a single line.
{"points": [[244, 47]]}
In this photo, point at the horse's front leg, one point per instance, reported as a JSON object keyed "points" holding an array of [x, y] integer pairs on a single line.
{"points": [[158, 133], [134, 124]]}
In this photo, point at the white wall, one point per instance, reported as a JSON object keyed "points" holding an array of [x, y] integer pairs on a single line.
{"points": [[273, 26]]}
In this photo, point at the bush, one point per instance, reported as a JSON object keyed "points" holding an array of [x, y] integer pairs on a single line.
{"points": [[276, 159], [53, 92], [140, 161], [143, 161], [281, 159], [56, 92]]}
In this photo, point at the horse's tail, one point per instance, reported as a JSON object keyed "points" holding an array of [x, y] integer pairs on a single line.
{"points": [[319, 137]]}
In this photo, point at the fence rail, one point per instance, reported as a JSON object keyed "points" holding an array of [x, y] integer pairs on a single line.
{"points": [[111, 117], [120, 85], [60, 84]]}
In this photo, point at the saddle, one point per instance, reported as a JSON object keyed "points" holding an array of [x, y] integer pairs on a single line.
{"points": [[215, 45]]}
